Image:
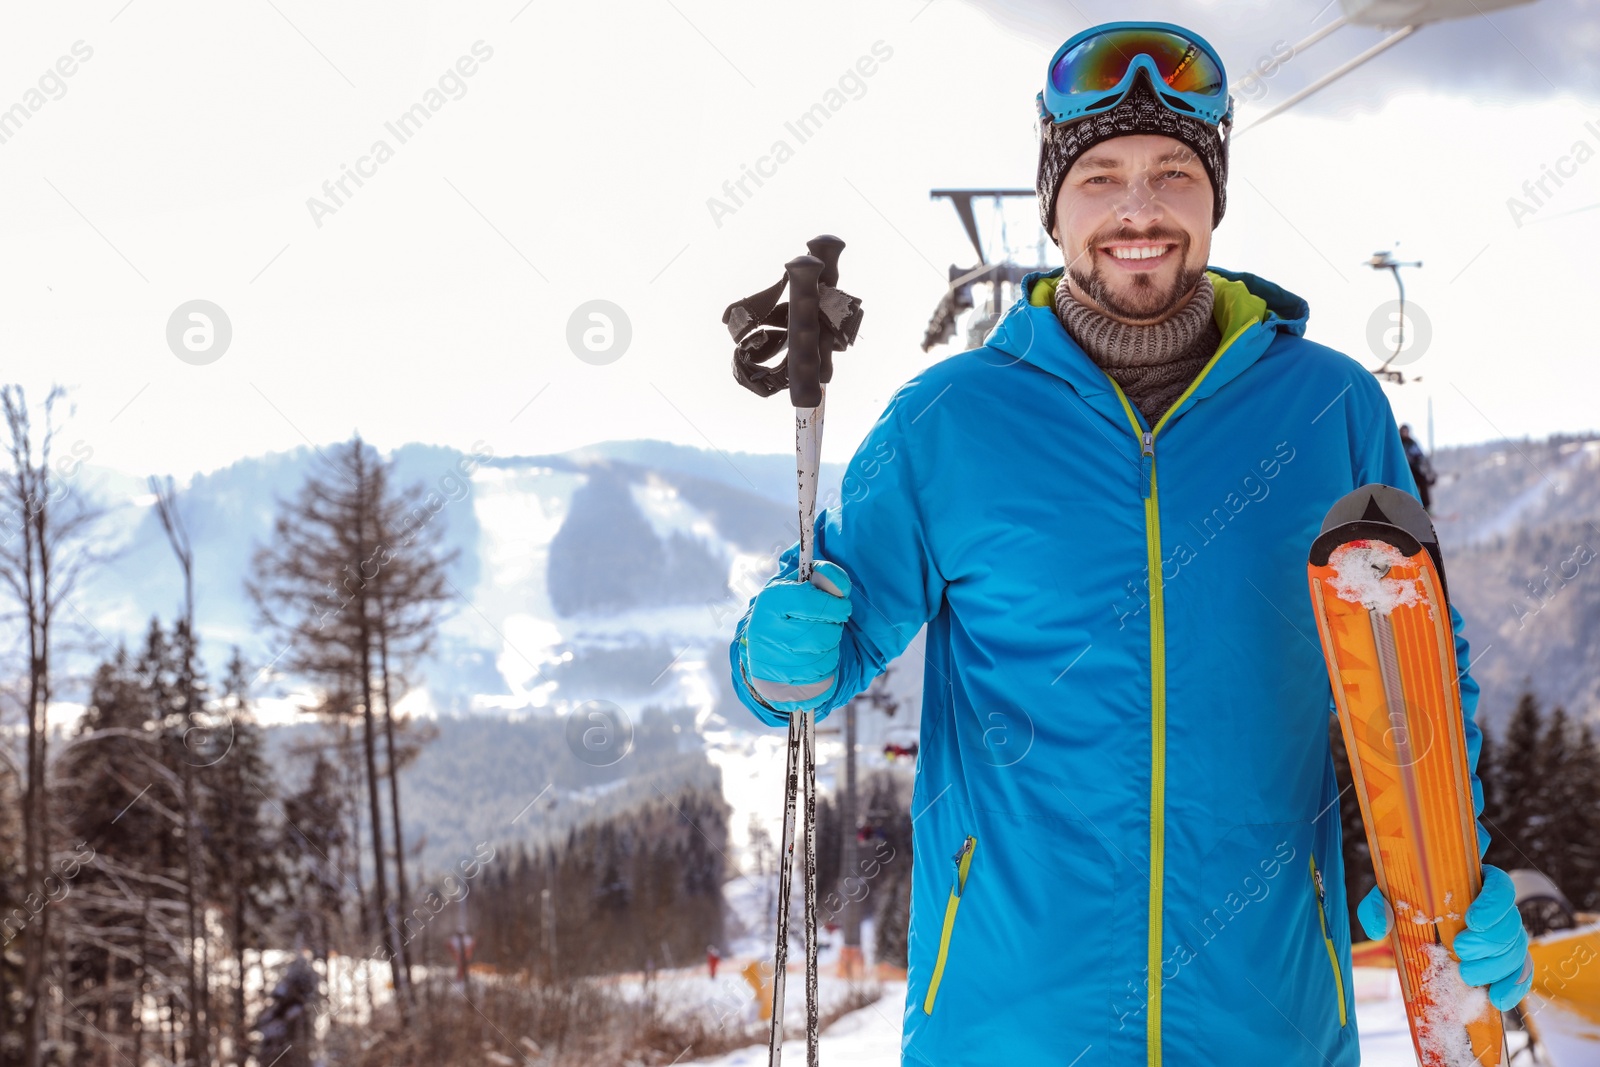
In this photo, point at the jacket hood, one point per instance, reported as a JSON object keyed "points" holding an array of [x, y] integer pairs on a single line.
{"points": [[1250, 311]]}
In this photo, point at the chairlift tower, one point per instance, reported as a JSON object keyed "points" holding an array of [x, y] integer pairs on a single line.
{"points": [[1003, 279], [1385, 261]]}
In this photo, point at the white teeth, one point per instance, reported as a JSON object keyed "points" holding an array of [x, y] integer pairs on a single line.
{"points": [[1143, 252]]}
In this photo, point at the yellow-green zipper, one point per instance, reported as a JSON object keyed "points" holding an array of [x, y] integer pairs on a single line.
{"points": [[963, 865], [1333, 957], [1158, 691]]}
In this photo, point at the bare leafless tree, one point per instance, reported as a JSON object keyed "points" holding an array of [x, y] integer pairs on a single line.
{"points": [[194, 891], [410, 590], [42, 553]]}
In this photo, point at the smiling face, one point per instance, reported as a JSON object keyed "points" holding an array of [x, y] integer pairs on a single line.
{"points": [[1133, 221]]}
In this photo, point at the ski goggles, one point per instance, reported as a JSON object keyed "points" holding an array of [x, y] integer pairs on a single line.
{"points": [[1094, 70]]}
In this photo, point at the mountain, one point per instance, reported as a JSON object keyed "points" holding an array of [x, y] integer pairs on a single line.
{"points": [[616, 572], [1519, 525], [607, 578], [504, 780], [602, 565]]}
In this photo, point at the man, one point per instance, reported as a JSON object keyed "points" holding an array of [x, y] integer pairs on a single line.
{"points": [[1126, 821], [1421, 468]]}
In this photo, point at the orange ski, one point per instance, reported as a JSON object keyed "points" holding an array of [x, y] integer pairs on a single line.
{"points": [[1378, 593]]}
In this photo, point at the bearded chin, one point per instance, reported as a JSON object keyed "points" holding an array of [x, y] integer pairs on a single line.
{"points": [[1140, 298]]}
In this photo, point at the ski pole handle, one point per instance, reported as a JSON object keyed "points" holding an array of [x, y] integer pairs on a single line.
{"points": [[826, 247], [805, 355]]}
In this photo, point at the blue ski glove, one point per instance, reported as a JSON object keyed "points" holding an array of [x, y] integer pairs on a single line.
{"points": [[1373, 911], [791, 643], [1493, 949]]}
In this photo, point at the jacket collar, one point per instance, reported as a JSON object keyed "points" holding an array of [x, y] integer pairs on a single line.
{"points": [[1250, 311]]}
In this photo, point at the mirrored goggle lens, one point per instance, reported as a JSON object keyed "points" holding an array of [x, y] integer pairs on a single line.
{"points": [[1098, 64]]}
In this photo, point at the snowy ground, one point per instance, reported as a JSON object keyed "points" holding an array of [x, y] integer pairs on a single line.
{"points": [[729, 1001], [866, 1038], [871, 1037], [1570, 1040]]}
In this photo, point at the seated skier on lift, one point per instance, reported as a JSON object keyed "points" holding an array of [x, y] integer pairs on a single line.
{"points": [[1102, 516]]}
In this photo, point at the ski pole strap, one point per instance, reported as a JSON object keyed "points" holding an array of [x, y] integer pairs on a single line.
{"points": [[759, 325]]}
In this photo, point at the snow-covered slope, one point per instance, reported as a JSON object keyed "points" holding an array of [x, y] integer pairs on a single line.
{"points": [[614, 573], [1519, 522]]}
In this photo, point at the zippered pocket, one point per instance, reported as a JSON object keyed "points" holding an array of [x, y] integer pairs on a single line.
{"points": [[963, 858], [1333, 955]]}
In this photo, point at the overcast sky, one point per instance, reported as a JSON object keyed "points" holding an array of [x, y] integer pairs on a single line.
{"points": [[578, 159]]}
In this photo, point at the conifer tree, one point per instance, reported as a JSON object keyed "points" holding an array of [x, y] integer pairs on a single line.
{"points": [[312, 832], [1545, 847], [244, 869], [351, 575], [888, 826], [1575, 822], [1518, 775], [121, 794]]}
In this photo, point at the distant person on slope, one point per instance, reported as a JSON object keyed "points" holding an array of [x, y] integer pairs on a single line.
{"points": [[1421, 468], [1125, 819]]}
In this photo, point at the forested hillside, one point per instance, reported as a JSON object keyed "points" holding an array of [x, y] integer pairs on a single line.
{"points": [[1519, 522]]}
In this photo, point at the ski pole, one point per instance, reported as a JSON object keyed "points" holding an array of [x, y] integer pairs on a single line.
{"points": [[808, 461], [818, 319], [806, 394]]}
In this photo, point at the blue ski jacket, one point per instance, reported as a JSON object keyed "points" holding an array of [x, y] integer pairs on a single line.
{"points": [[1125, 818]]}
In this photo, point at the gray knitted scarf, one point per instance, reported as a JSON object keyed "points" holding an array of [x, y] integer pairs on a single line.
{"points": [[1152, 364]]}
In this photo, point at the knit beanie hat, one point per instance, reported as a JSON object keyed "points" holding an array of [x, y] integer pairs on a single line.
{"points": [[1140, 111]]}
